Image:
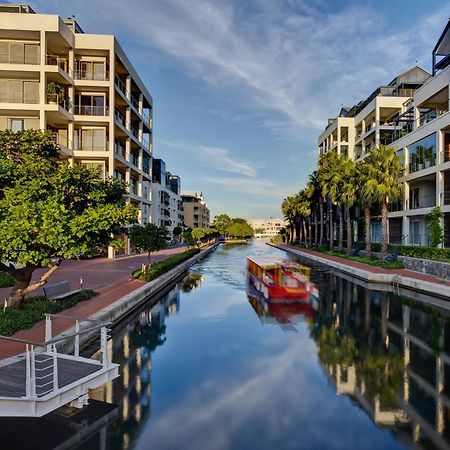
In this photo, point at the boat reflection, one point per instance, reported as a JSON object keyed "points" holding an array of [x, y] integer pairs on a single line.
{"points": [[286, 315]]}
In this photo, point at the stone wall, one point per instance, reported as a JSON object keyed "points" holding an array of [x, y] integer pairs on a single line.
{"points": [[436, 268]]}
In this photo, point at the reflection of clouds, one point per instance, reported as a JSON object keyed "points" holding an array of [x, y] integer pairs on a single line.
{"points": [[262, 408]]}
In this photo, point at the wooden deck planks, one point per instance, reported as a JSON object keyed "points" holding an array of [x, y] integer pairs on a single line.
{"points": [[13, 376]]}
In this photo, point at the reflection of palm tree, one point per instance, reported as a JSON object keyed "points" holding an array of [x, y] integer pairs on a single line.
{"points": [[191, 281]]}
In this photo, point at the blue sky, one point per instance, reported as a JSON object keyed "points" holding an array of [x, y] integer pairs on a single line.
{"points": [[242, 89]]}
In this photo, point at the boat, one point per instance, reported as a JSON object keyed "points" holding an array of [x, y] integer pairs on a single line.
{"points": [[279, 280]]}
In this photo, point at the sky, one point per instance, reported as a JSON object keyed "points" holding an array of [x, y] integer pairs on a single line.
{"points": [[242, 88]]}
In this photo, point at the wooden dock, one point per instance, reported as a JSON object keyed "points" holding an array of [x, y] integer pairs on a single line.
{"points": [[43, 379]]}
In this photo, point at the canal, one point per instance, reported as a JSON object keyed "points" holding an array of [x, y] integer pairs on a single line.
{"points": [[211, 367]]}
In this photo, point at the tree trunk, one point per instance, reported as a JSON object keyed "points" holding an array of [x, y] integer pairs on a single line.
{"points": [[384, 230], [321, 222], [349, 232], [305, 234], [341, 229], [291, 237], [330, 226], [310, 232], [315, 229], [23, 285], [367, 230], [297, 232]]}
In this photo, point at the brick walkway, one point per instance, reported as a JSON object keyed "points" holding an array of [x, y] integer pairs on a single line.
{"points": [[110, 278], [374, 269]]}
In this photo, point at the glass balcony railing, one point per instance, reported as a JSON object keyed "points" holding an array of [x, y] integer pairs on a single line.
{"points": [[60, 100], [430, 115], [121, 86], [88, 75], [119, 117], [425, 201], [91, 110], [420, 163], [62, 63]]}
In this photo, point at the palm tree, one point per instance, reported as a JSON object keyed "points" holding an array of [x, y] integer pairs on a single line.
{"points": [[304, 210], [384, 185], [348, 195], [287, 207], [367, 199], [330, 168], [314, 191]]}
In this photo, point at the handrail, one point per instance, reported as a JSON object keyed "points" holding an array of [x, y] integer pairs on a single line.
{"points": [[56, 339], [81, 319]]}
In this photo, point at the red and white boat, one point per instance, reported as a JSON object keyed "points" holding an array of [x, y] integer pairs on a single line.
{"points": [[280, 281]]}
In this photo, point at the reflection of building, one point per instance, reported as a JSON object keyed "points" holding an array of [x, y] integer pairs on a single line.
{"points": [[83, 88], [266, 227], [391, 358], [167, 206], [196, 212], [132, 347]]}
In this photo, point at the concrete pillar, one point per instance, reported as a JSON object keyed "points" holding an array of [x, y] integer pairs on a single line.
{"points": [[416, 118], [128, 87], [405, 230], [128, 149], [339, 140], [377, 125], [43, 81], [70, 135]]}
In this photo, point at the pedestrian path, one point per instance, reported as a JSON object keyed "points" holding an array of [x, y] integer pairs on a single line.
{"points": [[110, 278]]}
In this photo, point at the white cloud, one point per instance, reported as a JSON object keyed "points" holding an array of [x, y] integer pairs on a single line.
{"points": [[219, 158]]}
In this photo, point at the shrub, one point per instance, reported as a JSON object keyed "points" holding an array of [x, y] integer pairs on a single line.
{"points": [[157, 269], [34, 309], [437, 254], [6, 280]]}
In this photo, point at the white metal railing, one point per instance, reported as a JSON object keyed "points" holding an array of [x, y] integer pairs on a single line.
{"points": [[41, 367]]}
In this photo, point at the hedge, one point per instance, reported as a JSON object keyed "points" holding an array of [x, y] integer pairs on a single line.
{"points": [[415, 251], [34, 309], [6, 280], [157, 269]]}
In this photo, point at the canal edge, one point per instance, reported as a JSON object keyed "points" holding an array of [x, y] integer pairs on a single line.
{"points": [[393, 279]]}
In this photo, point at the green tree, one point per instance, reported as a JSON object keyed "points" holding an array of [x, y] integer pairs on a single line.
{"points": [[221, 222], [288, 209], [50, 211], [198, 234], [187, 238], [239, 229], [435, 226], [177, 232], [348, 195], [148, 238], [314, 193], [383, 185], [366, 198]]}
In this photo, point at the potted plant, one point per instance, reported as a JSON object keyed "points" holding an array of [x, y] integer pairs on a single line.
{"points": [[55, 92]]}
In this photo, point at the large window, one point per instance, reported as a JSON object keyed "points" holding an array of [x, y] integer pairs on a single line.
{"points": [[19, 53], [91, 105], [93, 139], [422, 154]]}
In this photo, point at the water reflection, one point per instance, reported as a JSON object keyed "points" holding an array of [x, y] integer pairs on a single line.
{"points": [[390, 356], [199, 371]]}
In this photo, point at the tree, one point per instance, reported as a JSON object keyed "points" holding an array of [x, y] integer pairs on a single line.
{"points": [[221, 222], [198, 234], [383, 185], [148, 238], [348, 196], [239, 229], [314, 193], [366, 198], [435, 226], [187, 238], [177, 232], [289, 213], [50, 211]]}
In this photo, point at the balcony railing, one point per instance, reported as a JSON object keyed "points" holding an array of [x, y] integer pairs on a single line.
{"points": [[119, 117], [134, 103], [91, 110], [445, 198], [120, 150], [121, 86], [135, 132], [135, 160], [62, 63], [420, 164], [430, 115], [91, 146], [89, 75], [60, 100], [425, 201], [60, 139]]}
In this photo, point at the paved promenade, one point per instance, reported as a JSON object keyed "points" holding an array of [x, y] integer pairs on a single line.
{"points": [[110, 278], [417, 276]]}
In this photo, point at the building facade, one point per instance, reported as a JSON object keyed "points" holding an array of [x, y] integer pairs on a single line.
{"points": [[411, 114], [266, 228], [196, 212], [82, 88], [167, 206]]}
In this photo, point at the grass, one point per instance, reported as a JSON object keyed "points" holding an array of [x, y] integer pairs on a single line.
{"points": [[34, 309], [159, 268], [6, 280], [373, 261]]}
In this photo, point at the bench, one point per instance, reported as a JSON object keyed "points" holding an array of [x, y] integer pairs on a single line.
{"points": [[59, 290]]}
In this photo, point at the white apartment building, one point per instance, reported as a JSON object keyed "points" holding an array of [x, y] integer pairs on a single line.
{"points": [[83, 88], [411, 114], [266, 228], [167, 205]]}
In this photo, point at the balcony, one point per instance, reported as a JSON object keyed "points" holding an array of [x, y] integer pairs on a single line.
{"points": [[119, 150], [91, 110], [120, 118], [120, 85], [91, 146], [61, 100], [421, 201], [18, 97], [445, 198], [421, 161], [91, 76], [62, 63], [135, 160], [429, 115]]}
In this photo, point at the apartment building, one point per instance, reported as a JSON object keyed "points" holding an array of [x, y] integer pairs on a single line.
{"points": [[81, 87], [167, 205], [265, 228], [410, 114], [196, 212]]}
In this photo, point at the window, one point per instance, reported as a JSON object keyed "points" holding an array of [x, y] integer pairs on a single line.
{"points": [[422, 154], [93, 139], [17, 125], [414, 198], [90, 105]]}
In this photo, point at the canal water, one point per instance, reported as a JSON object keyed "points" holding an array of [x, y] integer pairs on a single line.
{"points": [[212, 366]]}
